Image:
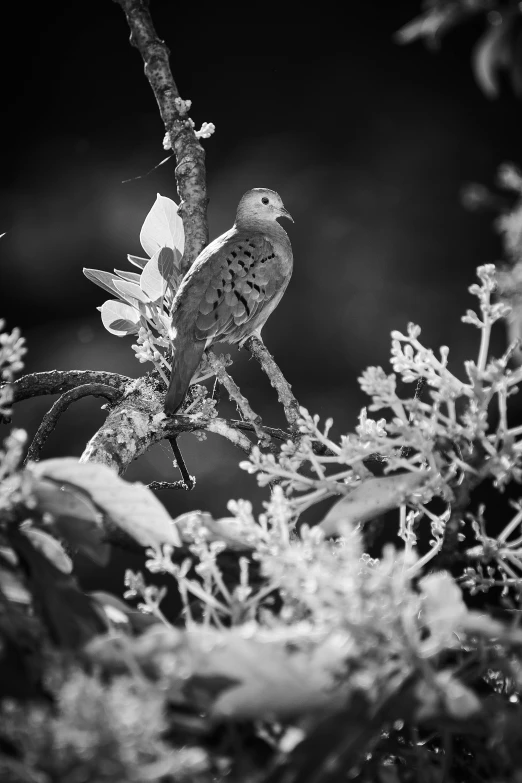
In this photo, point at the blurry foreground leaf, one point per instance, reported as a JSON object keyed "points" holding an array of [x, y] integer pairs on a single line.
{"points": [[50, 547], [70, 616], [76, 519], [132, 507], [372, 497]]}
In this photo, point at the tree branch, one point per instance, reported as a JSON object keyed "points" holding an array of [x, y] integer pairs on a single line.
{"points": [[190, 156], [217, 363], [273, 432], [284, 391], [138, 421], [160, 485], [227, 430], [50, 420], [59, 381]]}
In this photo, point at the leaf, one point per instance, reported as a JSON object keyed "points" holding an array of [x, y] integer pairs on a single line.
{"points": [[104, 279], [132, 507], [119, 318], [76, 520], [491, 53], [264, 676], [13, 588], [132, 277], [158, 273], [162, 227], [131, 289], [50, 547], [192, 524], [137, 260], [339, 742], [202, 690], [372, 497], [431, 25], [137, 620], [70, 616]]}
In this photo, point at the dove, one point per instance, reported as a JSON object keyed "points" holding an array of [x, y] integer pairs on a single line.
{"points": [[231, 288]]}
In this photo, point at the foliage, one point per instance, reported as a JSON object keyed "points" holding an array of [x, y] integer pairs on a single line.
{"points": [[305, 629], [496, 51], [299, 654]]}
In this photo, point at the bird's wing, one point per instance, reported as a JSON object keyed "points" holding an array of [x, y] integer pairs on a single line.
{"points": [[242, 277]]}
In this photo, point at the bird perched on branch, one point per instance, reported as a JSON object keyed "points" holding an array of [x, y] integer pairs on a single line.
{"points": [[231, 288]]}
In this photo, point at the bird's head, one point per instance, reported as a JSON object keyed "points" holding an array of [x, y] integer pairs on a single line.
{"points": [[261, 204]]}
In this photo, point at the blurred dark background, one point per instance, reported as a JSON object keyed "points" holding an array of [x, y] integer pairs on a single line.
{"points": [[369, 144]]}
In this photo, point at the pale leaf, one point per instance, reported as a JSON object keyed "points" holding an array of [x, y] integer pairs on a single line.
{"points": [[372, 497], [131, 289], [132, 277], [104, 279], [119, 318], [137, 260], [162, 227], [158, 273]]}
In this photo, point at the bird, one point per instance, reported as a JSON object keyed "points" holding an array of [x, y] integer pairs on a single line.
{"points": [[231, 288]]}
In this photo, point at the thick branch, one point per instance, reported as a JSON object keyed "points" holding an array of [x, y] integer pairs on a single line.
{"points": [[284, 391], [190, 156], [50, 419], [59, 381], [138, 422]]}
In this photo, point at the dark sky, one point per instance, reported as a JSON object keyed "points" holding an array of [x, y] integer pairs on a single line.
{"points": [[368, 143]]}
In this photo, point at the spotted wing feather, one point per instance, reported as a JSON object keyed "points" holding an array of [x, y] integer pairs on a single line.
{"points": [[244, 280]]}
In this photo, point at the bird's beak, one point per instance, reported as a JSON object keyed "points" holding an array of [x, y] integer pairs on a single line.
{"points": [[285, 214]]}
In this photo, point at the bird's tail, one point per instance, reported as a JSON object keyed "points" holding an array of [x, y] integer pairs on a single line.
{"points": [[186, 356]]}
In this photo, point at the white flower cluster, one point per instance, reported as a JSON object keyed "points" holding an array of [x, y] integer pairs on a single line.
{"points": [[12, 349], [442, 436]]}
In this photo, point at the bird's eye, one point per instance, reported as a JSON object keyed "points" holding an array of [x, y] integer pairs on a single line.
{"points": [[265, 200]]}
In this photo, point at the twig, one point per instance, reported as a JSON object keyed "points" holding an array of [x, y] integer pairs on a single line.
{"points": [[188, 481], [284, 391], [190, 156], [59, 381], [273, 432], [234, 392], [50, 420]]}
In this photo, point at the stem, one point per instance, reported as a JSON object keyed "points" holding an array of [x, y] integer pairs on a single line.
{"points": [[419, 565], [484, 343], [510, 527]]}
